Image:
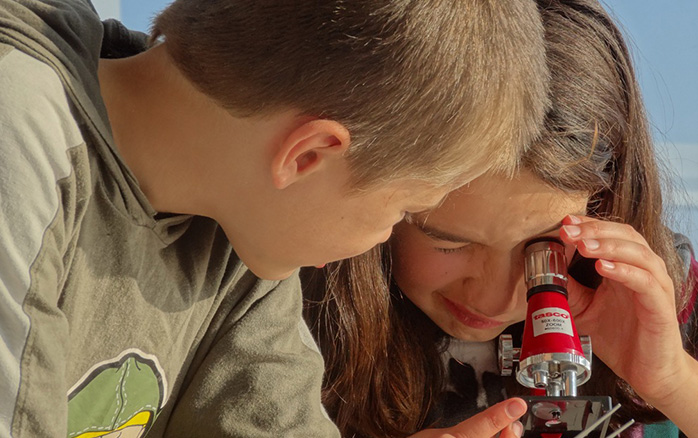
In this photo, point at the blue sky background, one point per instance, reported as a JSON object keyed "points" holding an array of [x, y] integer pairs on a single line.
{"points": [[663, 36]]}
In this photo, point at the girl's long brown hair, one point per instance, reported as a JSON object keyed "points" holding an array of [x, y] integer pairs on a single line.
{"points": [[382, 354]]}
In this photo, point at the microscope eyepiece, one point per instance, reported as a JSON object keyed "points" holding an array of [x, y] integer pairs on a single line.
{"points": [[545, 266]]}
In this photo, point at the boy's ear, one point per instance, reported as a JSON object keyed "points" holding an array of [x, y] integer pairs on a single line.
{"points": [[306, 149]]}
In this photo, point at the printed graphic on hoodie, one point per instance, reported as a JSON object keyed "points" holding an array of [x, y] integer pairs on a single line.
{"points": [[117, 398]]}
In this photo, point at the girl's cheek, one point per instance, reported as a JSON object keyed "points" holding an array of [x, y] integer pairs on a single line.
{"points": [[438, 272]]}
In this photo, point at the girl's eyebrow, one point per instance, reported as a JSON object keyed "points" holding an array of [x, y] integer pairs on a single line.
{"points": [[435, 233], [558, 225], [550, 230]]}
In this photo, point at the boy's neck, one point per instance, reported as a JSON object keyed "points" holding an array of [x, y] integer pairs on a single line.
{"points": [[153, 115]]}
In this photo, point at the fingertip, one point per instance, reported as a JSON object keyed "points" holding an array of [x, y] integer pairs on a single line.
{"points": [[606, 265], [571, 231], [517, 428], [572, 220], [516, 407]]}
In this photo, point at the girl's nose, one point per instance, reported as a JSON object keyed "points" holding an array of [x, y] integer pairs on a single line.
{"points": [[501, 290]]}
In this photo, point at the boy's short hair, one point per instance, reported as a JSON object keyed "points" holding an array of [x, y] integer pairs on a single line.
{"points": [[429, 89]]}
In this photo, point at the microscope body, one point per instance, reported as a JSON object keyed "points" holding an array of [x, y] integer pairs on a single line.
{"points": [[553, 359]]}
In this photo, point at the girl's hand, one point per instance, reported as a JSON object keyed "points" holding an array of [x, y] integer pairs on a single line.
{"points": [[496, 421], [631, 317]]}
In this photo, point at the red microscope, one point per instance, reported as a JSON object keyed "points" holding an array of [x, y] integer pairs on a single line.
{"points": [[553, 359]]}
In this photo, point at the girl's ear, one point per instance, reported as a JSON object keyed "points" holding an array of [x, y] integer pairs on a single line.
{"points": [[306, 149]]}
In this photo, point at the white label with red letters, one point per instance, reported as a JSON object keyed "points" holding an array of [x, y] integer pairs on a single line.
{"points": [[551, 320]]}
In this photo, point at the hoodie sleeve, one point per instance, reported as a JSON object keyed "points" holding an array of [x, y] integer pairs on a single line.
{"points": [[39, 198]]}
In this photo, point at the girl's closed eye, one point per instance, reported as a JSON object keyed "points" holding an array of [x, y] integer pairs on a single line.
{"points": [[454, 249], [443, 241]]}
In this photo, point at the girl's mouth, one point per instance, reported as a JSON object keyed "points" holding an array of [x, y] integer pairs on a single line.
{"points": [[470, 319]]}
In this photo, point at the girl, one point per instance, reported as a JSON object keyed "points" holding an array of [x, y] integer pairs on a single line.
{"points": [[408, 330]]}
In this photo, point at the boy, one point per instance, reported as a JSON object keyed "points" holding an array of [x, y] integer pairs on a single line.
{"points": [[155, 208]]}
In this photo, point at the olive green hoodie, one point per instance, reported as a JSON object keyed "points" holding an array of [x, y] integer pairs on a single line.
{"points": [[114, 319]]}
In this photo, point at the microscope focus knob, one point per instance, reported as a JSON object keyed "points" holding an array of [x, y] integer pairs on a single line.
{"points": [[507, 355]]}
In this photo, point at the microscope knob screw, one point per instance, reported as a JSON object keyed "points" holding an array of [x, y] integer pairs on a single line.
{"points": [[507, 355]]}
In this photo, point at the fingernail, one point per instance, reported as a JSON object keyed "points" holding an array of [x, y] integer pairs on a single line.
{"points": [[515, 409], [574, 219], [517, 428], [607, 265], [591, 244], [572, 230]]}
